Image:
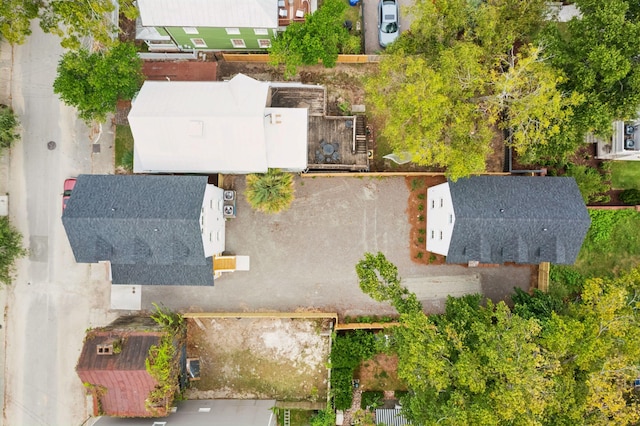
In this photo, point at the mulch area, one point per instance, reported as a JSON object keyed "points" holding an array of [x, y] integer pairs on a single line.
{"points": [[416, 212]]}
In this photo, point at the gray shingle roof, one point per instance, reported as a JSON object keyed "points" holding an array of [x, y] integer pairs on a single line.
{"points": [[517, 219], [148, 227]]}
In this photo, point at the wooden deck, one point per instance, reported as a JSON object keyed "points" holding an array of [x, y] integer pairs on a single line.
{"points": [[340, 132], [292, 11], [345, 134], [300, 97]]}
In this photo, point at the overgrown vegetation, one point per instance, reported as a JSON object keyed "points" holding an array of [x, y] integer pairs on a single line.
{"points": [[270, 192], [594, 184], [8, 125], [550, 360], [326, 417], [10, 249], [348, 351], [321, 37], [611, 245], [162, 361], [467, 69]]}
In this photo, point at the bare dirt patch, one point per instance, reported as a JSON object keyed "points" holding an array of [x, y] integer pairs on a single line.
{"points": [[261, 358], [417, 214], [380, 374]]}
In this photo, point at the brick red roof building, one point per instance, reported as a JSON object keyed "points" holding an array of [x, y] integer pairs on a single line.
{"points": [[112, 362]]}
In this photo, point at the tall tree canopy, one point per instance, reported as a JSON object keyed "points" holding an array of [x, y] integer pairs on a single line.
{"points": [[15, 19], [599, 53], [548, 361], [93, 82], [502, 65]]}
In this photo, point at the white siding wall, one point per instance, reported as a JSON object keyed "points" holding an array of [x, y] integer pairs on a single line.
{"points": [[212, 221], [440, 219]]}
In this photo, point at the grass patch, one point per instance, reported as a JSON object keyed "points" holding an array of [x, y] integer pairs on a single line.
{"points": [[625, 174], [124, 146], [298, 417], [612, 244]]}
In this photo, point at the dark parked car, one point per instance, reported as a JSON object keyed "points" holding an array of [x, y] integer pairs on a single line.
{"points": [[388, 23]]}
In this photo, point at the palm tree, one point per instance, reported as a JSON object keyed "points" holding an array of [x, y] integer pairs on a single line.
{"points": [[270, 192]]}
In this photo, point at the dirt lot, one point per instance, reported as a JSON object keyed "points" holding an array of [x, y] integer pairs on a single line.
{"points": [[261, 358]]}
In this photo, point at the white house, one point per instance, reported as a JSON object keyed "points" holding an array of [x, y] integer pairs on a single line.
{"points": [[215, 127]]}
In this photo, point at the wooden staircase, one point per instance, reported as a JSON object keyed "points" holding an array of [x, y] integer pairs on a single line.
{"points": [[361, 135]]}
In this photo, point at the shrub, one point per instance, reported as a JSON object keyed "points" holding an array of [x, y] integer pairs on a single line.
{"points": [[342, 385], [371, 399], [630, 196], [271, 192], [592, 184], [8, 125]]}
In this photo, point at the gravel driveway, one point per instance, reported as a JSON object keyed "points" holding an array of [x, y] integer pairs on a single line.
{"points": [[305, 257]]}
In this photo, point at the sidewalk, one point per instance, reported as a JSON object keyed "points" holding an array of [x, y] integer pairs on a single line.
{"points": [[5, 98]]}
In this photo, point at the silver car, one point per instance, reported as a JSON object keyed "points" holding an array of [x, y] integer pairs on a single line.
{"points": [[388, 24]]}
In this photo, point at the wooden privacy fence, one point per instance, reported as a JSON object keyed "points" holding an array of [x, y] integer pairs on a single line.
{"points": [[264, 57]]}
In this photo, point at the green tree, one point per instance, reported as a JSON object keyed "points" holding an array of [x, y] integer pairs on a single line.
{"points": [[598, 52], [94, 82], [446, 87], [270, 192], [8, 125], [550, 361], [379, 279], [320, 37], [15, 19], [10, 249], [77, 21]]}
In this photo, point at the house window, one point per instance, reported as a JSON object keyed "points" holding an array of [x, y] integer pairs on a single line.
{"points": [[261, 31], [218, 236], [238, 43], [198, 42], [264, 43], [190, 30], [450, 218], [441, 202], [433, 234], [232, 31], [440, 234], [433, 204]]}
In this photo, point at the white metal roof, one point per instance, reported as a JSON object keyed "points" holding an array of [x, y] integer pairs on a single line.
{"points": [[209, 13], [221, 127]]}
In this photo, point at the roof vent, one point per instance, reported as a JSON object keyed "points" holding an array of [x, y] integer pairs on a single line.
{"points": [[104, 349]]}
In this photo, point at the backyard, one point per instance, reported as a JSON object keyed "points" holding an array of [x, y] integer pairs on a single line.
{"points": [[625, 174], [260, 357]]}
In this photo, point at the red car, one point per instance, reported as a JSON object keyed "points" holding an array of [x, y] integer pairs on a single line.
{"points": [[68, 187]]}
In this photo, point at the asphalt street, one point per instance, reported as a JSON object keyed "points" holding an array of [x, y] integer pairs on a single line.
{"points": [[53, 300]]}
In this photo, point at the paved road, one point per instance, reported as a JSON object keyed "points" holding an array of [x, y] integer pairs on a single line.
{"points": [[53, 300]]}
